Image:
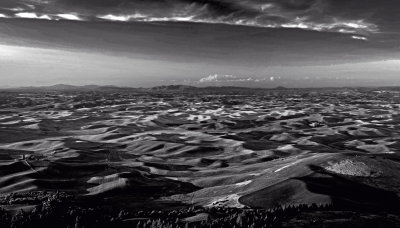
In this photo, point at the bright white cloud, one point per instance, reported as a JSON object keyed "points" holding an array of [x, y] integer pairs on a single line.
{"points": [[216, 78], [229, 78], [3, 15], [114, 17], [32, 16], [359, 37], [111, 17], [71, 17], [65, 16]]}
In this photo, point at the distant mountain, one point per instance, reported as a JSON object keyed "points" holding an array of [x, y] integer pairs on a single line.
{"points": [[163, 88], [174, 87], [66, 87], [280, 88], [60, 87]]}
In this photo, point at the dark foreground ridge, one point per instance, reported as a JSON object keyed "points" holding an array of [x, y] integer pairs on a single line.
{"points": [[62, 210]]}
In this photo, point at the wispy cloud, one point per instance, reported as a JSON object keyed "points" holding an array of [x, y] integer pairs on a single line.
{"points": [[315, 15], [345, 26]]}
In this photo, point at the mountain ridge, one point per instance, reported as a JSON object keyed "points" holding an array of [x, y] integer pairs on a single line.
{"points": [[169, 88]]}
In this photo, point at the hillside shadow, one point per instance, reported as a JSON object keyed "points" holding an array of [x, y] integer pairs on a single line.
{"points": [[348, 194]]}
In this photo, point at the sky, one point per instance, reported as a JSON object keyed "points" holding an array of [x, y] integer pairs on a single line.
{"points": [[144, 43]]}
